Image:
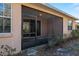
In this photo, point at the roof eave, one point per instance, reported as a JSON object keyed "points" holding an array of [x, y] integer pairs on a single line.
{"points": [[60, 11]]}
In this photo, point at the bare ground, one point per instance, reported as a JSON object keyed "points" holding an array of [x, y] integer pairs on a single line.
{"points": [[69, 48]]}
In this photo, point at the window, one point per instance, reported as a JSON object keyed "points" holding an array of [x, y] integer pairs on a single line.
{"points": [[1, 9], [29, 28], [69, 25], [26, 27], [5, 17]]}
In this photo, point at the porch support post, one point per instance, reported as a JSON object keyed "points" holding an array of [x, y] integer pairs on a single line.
{"points": [[36, 28]]}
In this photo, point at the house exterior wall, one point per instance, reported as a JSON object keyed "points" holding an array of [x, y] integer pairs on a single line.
{"points": [[74, 25], [66, 32], [13, 39]]}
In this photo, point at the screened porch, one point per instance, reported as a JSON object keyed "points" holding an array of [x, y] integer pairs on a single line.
{"points": [[38, 27]]}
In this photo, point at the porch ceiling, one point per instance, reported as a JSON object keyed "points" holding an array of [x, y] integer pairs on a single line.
{"points": [[45, 15], [33, 12]]}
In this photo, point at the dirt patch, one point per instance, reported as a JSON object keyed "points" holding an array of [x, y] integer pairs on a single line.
{"points": [[69, 48]]}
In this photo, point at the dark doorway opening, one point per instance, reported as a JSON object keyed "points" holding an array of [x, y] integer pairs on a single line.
{"points": [[29, 29]]}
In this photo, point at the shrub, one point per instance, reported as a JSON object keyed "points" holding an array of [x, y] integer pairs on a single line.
{"points": [[51, 43], [57, 40], [75, 33]]}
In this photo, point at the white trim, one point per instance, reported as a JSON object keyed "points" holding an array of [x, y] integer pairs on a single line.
{"points": [[10, 33], [5, 16], [4, 35], [11, 18]]}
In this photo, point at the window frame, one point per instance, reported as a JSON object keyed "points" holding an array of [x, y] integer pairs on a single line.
{"points": [[3, 34], [71, 25], [27, 33]]}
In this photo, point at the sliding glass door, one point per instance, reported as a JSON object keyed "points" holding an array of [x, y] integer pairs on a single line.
{"points": [[30, 29]]}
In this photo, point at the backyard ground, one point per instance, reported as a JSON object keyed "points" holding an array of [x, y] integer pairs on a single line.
{"points": [[69, 48]]}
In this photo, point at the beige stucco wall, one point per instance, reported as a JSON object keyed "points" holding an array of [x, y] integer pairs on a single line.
{"points": [[13, 39], [67, 32], [74, 25]]}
